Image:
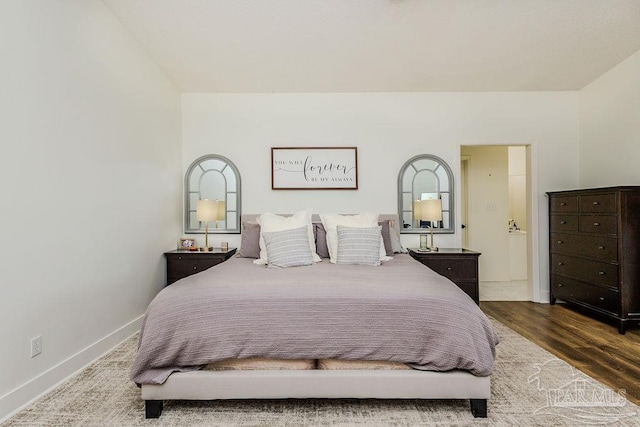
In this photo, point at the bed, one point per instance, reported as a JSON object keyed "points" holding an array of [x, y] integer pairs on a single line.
{"points": [[399, 313]]}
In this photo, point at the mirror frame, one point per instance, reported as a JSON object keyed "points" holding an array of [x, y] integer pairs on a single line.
{"points": [[188, 209], [440, 163]]}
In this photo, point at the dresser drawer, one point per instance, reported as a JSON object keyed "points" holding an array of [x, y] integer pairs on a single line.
{"points": [[562, 222], [598, 202], [597, 273], [564, 204], [455, 269], [589, 246], [575, 291], [600, 224]]}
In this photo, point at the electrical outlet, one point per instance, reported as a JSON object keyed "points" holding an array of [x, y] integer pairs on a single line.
{"points": [[36, 346]]}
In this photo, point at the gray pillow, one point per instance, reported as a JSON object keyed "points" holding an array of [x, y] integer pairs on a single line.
{"points": [[386, 237], [288, 248], [360, 246], [250, 242], [321, 240]]}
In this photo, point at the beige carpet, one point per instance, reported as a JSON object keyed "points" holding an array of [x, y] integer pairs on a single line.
{"points": [[529, 387]]}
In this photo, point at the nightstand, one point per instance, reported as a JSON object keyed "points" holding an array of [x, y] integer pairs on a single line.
{"points": [[457, 264], [181, 264]]}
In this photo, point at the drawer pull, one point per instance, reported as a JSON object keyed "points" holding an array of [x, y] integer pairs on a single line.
{"points": [[448, 268], [179, 257], [560, 285], [602, 273], [596, 224], [561, 263], [601, 298], [563, 222], [560, 242], [601, 248], [195, 268], [596, 203], [563, 204]]}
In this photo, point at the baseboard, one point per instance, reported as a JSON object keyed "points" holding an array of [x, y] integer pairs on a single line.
{"points": [[23, 395]]}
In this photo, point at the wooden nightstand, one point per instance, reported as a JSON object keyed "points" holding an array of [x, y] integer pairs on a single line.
{"points": [[181, 264], [457, 264]]}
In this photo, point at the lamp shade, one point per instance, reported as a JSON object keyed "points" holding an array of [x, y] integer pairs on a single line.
{"points": [[431, 210], [222, 210], [417, 210], [206, 210]]}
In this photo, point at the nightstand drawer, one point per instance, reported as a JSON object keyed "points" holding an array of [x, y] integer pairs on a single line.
{"points": [[454, 268], [186, 266], [181, 264]]}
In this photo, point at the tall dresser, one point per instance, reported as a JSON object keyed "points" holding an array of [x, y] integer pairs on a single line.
{"points": [[594, 243]]}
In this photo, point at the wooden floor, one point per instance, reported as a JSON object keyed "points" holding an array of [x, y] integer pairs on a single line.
{"points": [[594, 347]]}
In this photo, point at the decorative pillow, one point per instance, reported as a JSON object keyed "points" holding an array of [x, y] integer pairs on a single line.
{"points": [[250, 243], [386, 237], [288, 248], [396, 245], [321, 240], [363, 220], [357, 245], [270, 222]]}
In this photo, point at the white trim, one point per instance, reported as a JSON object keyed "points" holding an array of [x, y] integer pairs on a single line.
{"points": [[24, 395]]}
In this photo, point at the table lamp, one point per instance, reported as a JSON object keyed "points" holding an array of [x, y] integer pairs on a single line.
{"points": [[206, 211]]}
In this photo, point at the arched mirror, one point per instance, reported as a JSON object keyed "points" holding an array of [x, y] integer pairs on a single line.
{"points": [[212, 177], [425, 177]]}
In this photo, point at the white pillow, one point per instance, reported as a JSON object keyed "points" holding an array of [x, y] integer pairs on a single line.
{"points": [[363, 220], [270, 222]]}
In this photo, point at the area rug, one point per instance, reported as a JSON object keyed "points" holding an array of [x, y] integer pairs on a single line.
{"points": [[530, 387]]}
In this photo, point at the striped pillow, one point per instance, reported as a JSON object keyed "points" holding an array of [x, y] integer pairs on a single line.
{"points": [[288, 248], [360, 246]]}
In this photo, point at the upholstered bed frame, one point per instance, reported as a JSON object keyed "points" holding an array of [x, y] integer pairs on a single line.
{"points": [[319, 383]]}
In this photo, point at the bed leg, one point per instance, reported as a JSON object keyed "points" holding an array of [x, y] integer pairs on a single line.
{"points": [[152, 408], [479, 408]]}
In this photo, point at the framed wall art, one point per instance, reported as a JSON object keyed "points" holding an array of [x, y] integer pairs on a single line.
{"points": [[314, 168]]}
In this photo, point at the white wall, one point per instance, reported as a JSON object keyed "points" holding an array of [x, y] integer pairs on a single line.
{"points": [[388, 129], [610, 127], [90, 177]]}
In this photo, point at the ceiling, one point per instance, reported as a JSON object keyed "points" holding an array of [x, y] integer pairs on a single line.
{"points": [[383, 45]]}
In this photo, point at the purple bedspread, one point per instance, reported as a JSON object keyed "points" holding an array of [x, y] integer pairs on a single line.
{"points": [[400, 311]]}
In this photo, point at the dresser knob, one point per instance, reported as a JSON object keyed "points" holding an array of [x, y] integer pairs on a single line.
{"points": [[602, 273], [560, 285], [601, 248], [563, 204], [560, 242], [596, 203], [195, 268], [448, 268], [596, 224], [561, 263], [179, 257], [563, 222], [601, 298]]}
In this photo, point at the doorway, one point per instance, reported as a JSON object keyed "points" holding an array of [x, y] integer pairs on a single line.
{"points": [[495, 210]]}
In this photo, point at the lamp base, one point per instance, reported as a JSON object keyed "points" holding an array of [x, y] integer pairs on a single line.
{"points": [[433, 249], [206, 249]]}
